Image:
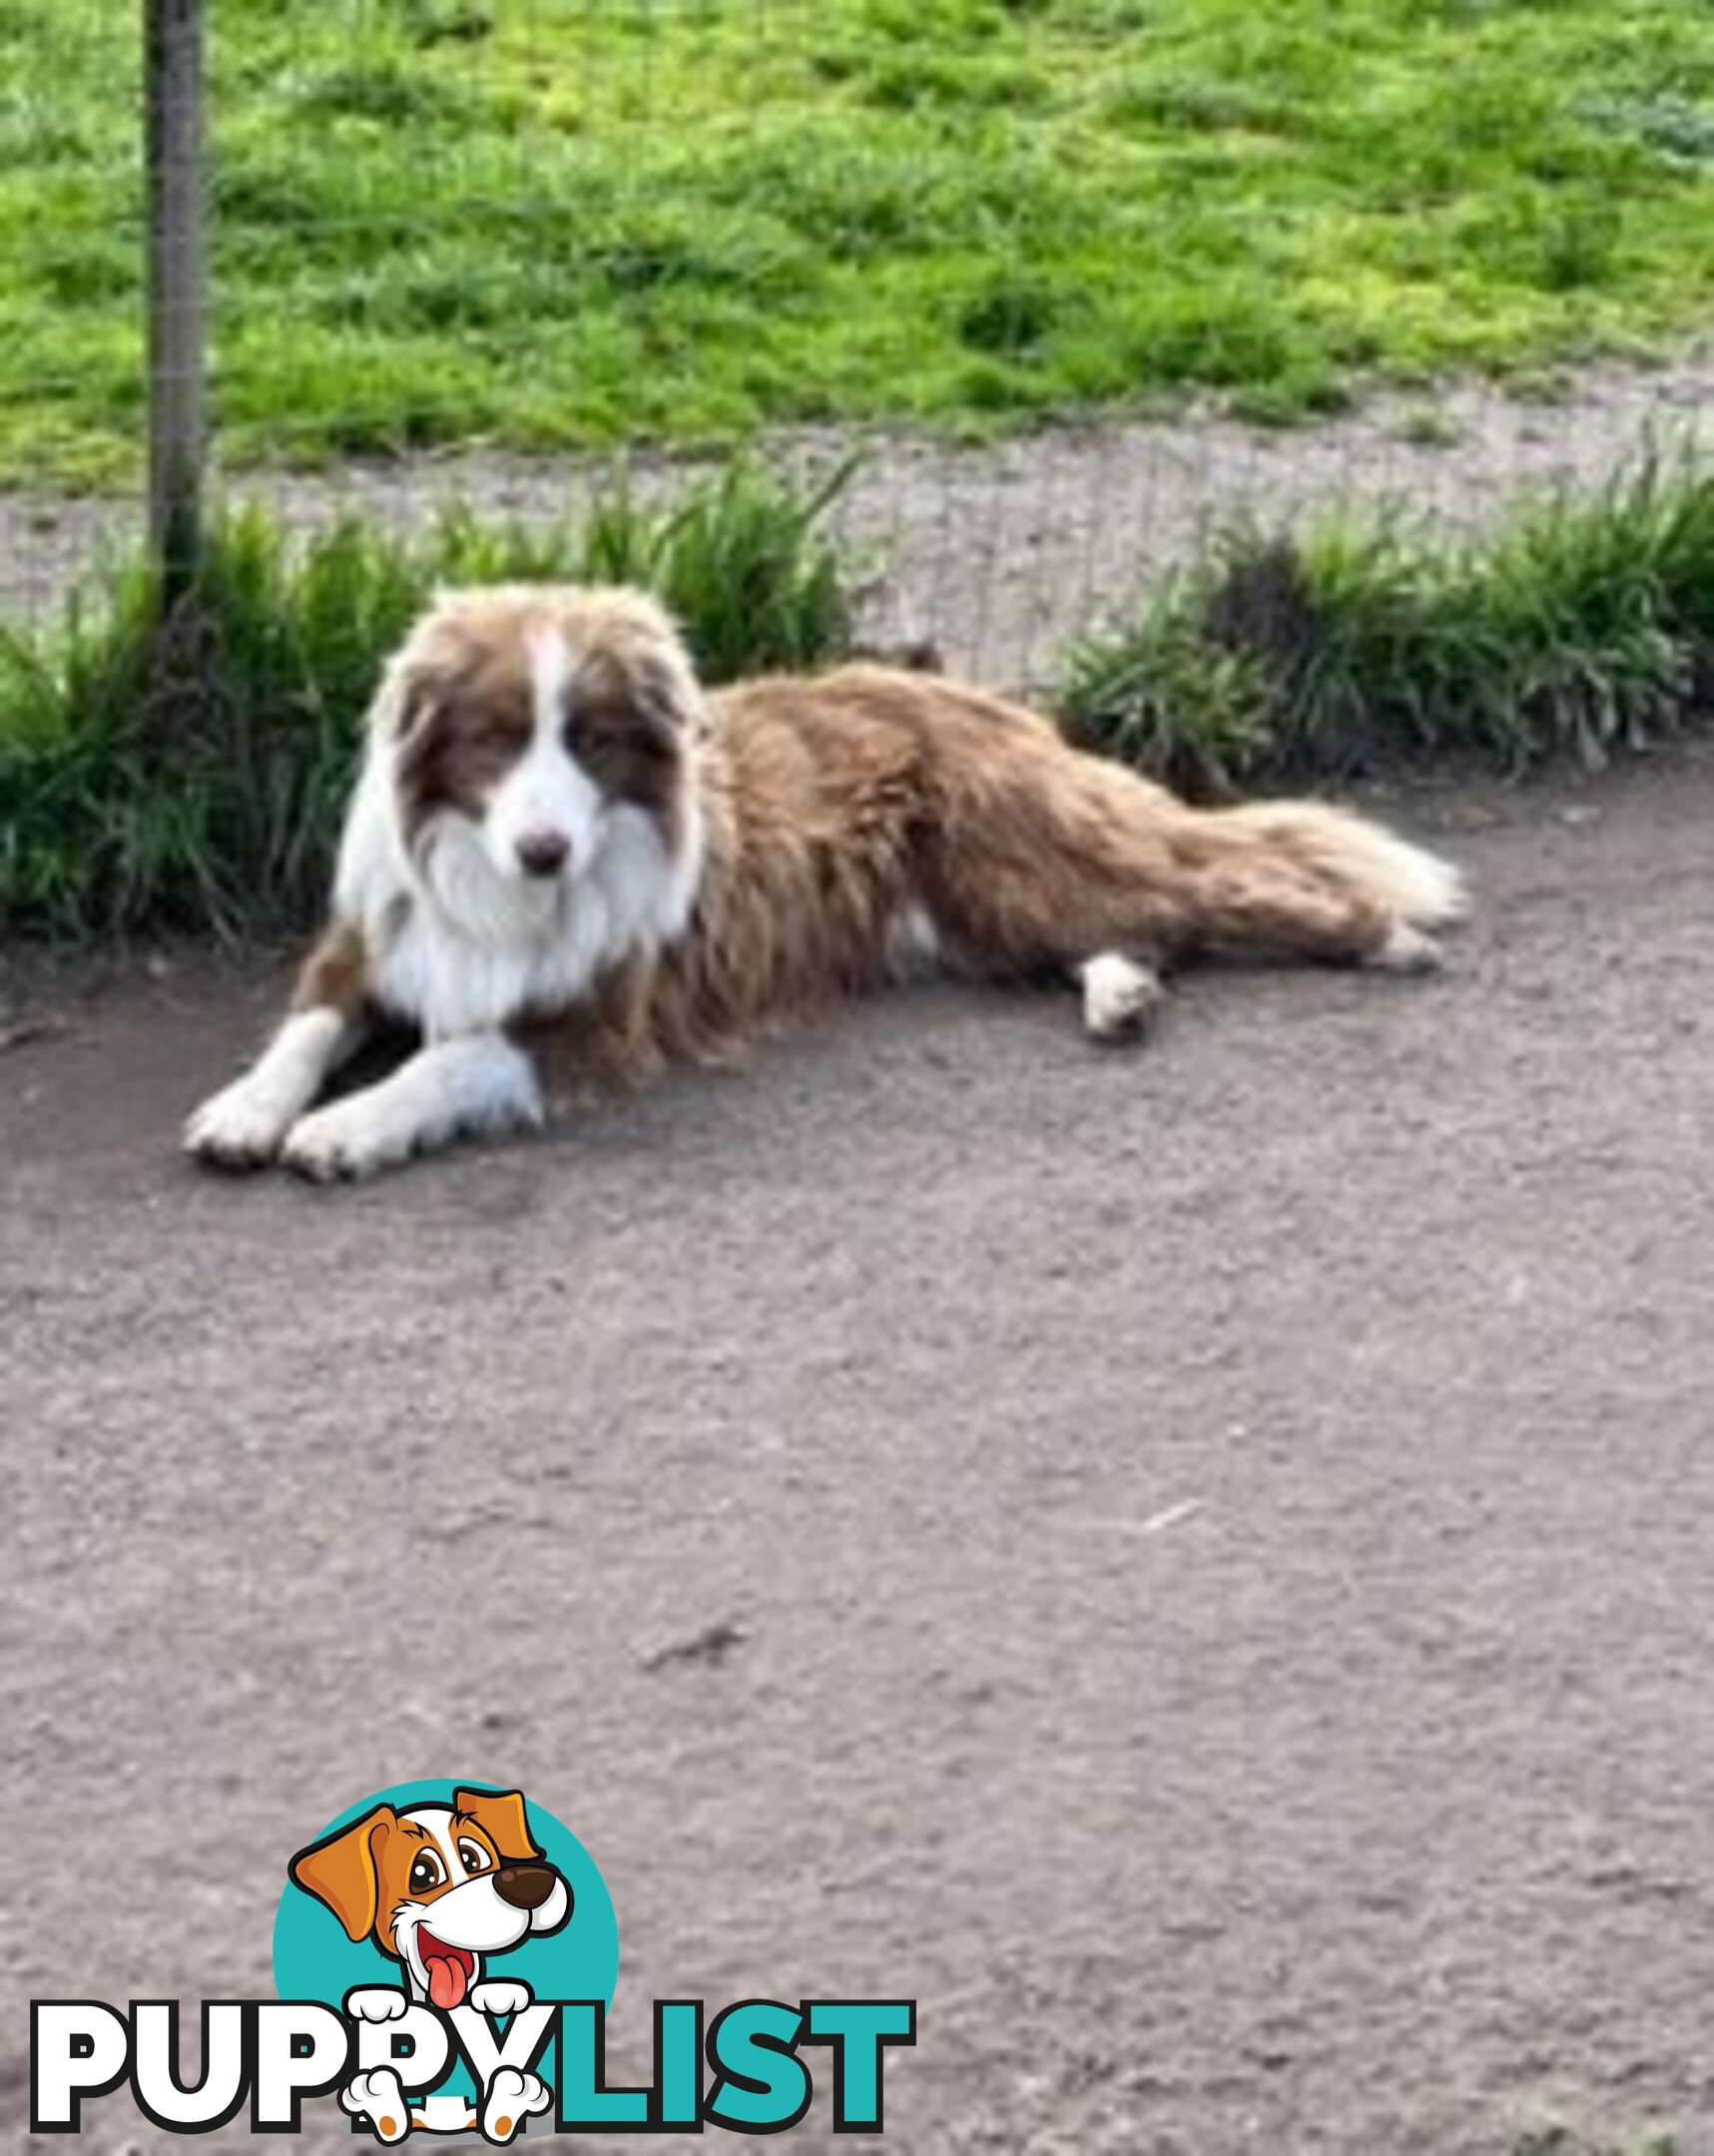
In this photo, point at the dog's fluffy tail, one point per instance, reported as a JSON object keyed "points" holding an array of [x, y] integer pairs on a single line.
{"points": [[1352, 853]]}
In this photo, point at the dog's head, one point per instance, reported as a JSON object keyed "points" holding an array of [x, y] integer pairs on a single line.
{"points": [[439, 1886], [528, 726]]}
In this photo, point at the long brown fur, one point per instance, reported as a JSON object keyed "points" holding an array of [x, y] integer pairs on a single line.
{"points": [[788, 842], [838, 806]]}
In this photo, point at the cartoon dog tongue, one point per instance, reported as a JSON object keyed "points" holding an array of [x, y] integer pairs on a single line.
{"points": [[445, 1981]]}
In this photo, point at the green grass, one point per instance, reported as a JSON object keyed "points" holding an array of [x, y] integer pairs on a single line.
{"points": [[1581, 629], [183, 765], [550, 222]]}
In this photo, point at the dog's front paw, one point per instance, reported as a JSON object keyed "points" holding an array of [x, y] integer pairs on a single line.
{"points": [[346, 1141], [500, 1997], [512, 2097], [239, 1127], [377, 2003], [381, 2097]]}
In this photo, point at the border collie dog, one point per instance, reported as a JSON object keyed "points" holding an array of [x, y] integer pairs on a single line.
{"points": [[563, 859]]}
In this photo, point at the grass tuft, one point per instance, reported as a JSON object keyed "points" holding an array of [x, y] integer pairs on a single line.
{"points": [[685, 223], [1583, 628], [183, 766], [747, 564]]}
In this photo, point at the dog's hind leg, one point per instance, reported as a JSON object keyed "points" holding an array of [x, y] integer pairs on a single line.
{"points": [[1043, 860], [1258, 906], [1039, 858], [1120, 995], [1308, 879], [1406, 950]]}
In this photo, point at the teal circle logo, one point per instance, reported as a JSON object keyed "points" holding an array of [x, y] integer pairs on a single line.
{"points": [[316, 1959]]}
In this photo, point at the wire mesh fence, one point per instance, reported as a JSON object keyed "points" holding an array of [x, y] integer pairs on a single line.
{"points": [[1016, 255]]}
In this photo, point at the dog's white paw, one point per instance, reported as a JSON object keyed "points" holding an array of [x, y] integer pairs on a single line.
{"points": [[347, 1141], [379, 2096], [1406, 950], [511, 2098], [376, 2004], [1118, 995], [241, 1126], [498, 1996]]}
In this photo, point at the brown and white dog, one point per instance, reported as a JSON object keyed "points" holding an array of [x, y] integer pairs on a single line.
{"points": [[438, 1888], [563, 859]]}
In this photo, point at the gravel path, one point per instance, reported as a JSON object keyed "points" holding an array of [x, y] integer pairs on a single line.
{"points": [[1211, 1547], [1000, 555]]}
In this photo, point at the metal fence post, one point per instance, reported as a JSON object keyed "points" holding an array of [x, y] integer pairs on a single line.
{"points": [[173, 154]]}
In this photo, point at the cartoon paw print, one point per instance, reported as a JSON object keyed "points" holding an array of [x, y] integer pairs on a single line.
{"points": [[497, 1998], [379, 2096], [512, 2098]]}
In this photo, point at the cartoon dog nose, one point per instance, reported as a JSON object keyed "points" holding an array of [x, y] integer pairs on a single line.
{"points": [[542, 852], [525, 1886]]}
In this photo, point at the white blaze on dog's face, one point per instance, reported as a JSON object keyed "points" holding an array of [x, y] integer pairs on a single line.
{"points": [[438, 1886], [544, 817], [531, 724]]}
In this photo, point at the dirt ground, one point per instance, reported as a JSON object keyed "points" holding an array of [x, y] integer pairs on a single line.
{"points": [[1192, 1564], [1000, 555]]}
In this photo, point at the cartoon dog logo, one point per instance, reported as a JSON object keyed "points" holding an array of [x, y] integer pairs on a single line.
{"points": [[436, 1888]]}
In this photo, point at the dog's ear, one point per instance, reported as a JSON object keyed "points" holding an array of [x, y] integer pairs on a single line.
{"points": [[664, 688], [416, 699], [343, 1871], [502, 1817], [642, 696]]}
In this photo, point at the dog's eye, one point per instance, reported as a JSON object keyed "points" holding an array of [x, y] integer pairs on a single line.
{"points": [[427, 1872], [474, 1855]]}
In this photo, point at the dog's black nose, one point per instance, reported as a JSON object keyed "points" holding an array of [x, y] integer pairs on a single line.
{"points": [[542, 853], [525, 1886]]}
